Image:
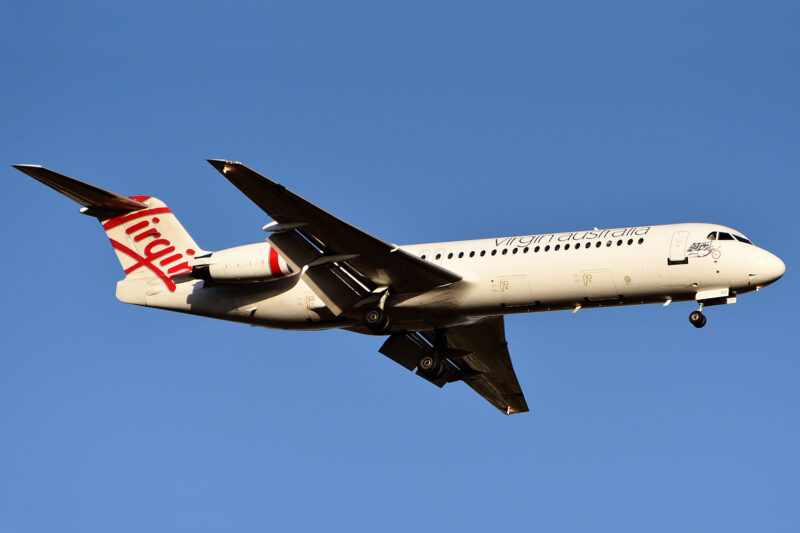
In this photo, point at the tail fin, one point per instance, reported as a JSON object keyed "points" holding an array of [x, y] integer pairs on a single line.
{"points": [[150, 242]]}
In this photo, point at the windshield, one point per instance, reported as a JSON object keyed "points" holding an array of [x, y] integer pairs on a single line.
{"points": [[723, 236]]}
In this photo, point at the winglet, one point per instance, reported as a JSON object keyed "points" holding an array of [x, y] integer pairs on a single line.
{"points": [[98, 202]]}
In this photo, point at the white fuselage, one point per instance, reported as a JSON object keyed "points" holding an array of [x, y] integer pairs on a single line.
{"points": [[543, 272]]}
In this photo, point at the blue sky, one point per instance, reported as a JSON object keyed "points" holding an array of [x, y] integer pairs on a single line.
{"points": [[417, 121]]}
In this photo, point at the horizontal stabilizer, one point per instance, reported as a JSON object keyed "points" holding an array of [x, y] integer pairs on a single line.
{"points": [[98, 202]]}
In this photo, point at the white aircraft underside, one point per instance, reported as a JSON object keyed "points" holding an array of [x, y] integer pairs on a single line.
{"points": [[440, 304]]}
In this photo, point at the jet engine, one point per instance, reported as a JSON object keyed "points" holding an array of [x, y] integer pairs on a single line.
{"points": [[251, 263]]}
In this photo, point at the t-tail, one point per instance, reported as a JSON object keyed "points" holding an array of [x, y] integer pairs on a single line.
{"points": [[151, 244]]}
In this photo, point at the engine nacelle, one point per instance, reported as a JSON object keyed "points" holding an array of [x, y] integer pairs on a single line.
{"points": [[251, 263]]}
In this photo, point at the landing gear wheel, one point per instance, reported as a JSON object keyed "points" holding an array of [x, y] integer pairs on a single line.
{"points": [[427, 363], [430, 366], [376, 320], [697, 319]]}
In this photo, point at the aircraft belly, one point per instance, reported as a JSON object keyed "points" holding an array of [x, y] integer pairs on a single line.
{"points": [[269, 304]]}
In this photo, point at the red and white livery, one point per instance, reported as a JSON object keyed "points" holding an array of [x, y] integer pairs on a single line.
{"points": [[439, 305]]}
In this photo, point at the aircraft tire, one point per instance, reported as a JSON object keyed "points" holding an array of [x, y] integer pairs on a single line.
{"points": [[697, 319], [427, 364], [430, 366], [376, 320]]}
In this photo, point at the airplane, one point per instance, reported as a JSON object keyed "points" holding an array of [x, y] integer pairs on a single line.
{"points": [[440, 305]]}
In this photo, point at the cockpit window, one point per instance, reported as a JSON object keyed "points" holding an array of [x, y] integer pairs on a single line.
{"points": [[742, 239], [725, 236], [712, 236]]}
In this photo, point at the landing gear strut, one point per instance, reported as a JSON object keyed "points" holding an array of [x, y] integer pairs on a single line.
{"points": [[697, 319]]}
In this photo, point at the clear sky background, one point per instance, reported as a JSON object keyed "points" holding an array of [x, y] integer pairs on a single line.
{"points": [[417, 121]]}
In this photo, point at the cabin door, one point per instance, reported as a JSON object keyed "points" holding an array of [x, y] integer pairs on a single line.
{"points": [[677, 249]]}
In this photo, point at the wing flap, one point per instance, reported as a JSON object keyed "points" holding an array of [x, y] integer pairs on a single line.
{"points": [[402, 349], [325, 279]]}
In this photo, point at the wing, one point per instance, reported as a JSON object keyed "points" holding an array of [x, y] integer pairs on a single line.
{"points": [[494, 376], [476, 354], [380, 263]]}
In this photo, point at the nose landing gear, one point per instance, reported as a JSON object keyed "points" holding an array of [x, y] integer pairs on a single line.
{"points": [[697, 318]]}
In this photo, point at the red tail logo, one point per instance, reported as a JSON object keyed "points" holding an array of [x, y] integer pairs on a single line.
{"points": [[156, 248]]}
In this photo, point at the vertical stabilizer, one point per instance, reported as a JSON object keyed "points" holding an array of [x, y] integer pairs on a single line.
{"points": [[151, 244]]}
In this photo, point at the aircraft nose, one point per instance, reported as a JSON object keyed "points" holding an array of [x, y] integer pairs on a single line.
{"points": [[773, 267]]}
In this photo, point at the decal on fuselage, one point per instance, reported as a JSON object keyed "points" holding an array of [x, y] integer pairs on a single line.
{"points": [[526, 240], [172, 262], [703, 249]]}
